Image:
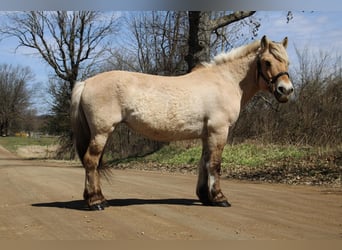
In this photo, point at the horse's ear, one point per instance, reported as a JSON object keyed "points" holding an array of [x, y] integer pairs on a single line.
{"points": [[264, 43], [285, 41]]}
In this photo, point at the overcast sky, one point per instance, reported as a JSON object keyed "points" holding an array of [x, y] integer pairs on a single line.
{"points": [[319, 30]]}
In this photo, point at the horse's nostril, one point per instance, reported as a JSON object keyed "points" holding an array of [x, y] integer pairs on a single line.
{"points": [[285, 91], [281, 90]]}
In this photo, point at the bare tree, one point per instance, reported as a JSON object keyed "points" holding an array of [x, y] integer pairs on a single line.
{"points": [[65, 40], [70, 42], [173, 42], [14, 94], [158, 43]]}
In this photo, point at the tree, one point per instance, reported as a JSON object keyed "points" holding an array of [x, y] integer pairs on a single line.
{"points": [[160, 39], [173, 42], [156, 44], [14, 94], [59, 122], [69, 42], [201, 27]]}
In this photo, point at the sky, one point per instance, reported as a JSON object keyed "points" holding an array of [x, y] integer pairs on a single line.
{"points": [[318, 30]]}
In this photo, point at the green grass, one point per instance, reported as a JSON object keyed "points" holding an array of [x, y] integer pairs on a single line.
{"points": [[174, 155], [255, 155], [12, 143], [247, 154]]}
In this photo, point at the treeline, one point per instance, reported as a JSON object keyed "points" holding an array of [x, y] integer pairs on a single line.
{"points": [[14, 97]]}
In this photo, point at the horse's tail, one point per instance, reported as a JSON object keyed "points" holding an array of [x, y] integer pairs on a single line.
{"points": [[79, 123]]}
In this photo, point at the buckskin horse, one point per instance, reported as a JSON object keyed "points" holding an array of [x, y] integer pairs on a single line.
{"points": [[201, 104]]}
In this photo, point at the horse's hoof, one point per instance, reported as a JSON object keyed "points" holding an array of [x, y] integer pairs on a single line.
{"points": [[216, 203], [221, 204], [96, 207], [105, 204], [99, 206]]}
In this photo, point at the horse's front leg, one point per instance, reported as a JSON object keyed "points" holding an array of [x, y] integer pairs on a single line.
{"points": [[208, 185], [92, 190], [216, 195]]}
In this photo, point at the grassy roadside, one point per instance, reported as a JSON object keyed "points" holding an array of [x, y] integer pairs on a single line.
{"points": [[12, 143], [246, 154], [288, 164], [247, 161]]}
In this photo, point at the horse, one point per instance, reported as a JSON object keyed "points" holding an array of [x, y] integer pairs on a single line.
{"points": [[202, 104]]}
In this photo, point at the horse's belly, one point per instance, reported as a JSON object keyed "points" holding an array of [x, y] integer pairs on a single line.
{"points": [[166, 128], [164, 114]]}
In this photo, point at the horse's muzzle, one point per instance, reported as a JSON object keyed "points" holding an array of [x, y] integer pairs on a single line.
{"points": [[283, 91]]}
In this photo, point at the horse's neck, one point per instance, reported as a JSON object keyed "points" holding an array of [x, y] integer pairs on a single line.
{"points": [[245, 75]]}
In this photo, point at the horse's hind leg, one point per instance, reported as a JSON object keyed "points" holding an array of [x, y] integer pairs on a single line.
{"points": [[202, 189], [92, 191]]}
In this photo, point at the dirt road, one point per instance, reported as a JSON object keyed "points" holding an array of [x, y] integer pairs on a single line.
{"points": [[41, 200]]}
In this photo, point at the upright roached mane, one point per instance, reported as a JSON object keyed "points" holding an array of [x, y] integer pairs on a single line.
{"points": [[234, 54], [202, 104]]}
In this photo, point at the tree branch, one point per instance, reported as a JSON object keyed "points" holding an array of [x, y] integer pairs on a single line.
{"points": [[228, 19]]}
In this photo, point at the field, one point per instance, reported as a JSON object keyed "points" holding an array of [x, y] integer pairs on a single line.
{"points": [[13, 143], [27, 147]]}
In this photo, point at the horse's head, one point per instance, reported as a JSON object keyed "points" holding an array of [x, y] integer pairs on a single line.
{"points": [[272, 64]]}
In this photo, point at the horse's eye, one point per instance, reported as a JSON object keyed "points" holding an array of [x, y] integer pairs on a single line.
{"points": [[268, 64]]}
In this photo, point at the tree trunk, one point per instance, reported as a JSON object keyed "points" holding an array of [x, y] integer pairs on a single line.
{"points": [[199, 38], [200, 28]]}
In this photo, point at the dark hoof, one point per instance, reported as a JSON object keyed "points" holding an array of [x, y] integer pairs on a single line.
{"points": [[105, 203], [99, 207], [96, 207], [216, 203], [221, 204]]}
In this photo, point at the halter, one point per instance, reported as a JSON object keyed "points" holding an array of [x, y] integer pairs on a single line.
{"points": [[272, 80]]}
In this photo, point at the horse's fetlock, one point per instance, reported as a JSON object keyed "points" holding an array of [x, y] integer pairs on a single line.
{"points": [[218, 196], [93, 197]]}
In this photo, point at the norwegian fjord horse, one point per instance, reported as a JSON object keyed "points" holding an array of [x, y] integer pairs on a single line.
{"points": [[202, 104]]}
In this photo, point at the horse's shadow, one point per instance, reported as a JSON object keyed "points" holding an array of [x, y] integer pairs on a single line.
{"points": [[81, 204]]}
